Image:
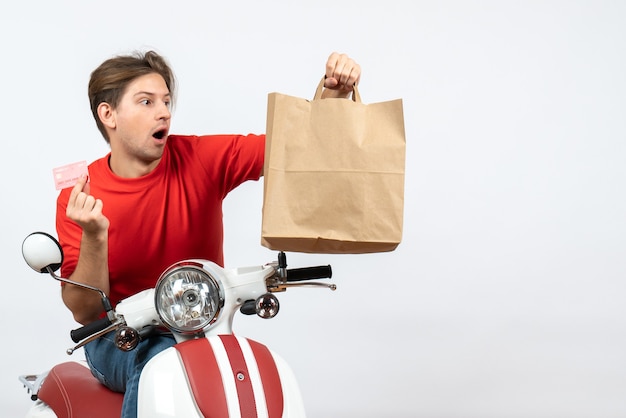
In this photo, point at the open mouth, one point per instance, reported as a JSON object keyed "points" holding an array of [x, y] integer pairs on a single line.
{"points": [[160, 134]]}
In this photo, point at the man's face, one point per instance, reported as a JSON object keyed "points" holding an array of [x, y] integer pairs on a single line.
{"points": [[141, 125]]}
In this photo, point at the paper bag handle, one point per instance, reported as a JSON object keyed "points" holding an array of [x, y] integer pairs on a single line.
{"points": [[356, 97]]}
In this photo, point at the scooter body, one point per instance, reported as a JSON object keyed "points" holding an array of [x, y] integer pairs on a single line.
{"points": [[209, 372], [219, 376]]}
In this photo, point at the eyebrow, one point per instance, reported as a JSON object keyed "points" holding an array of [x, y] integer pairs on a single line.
{"points": [[147, 93]]}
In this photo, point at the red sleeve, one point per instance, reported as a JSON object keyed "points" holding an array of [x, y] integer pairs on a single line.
{"points": [[233, 158]]}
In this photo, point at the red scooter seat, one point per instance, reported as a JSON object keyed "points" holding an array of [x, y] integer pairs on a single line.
{"points": [[72, 392]]}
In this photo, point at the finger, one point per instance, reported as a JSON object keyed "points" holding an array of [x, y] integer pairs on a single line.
{"points": [[78, 188], [87, 187], [79, 202], [331, 64], [330, 83], [90, 203], [355, 75], [350, 73], [98, 205], [336, 66]]}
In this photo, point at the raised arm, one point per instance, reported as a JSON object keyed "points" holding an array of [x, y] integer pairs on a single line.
{"points": [[92, 267]]}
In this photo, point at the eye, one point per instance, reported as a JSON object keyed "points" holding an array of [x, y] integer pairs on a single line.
{"points": [[145, 102]]}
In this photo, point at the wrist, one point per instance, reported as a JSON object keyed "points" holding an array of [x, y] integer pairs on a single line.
{"points": [[96, 237]]}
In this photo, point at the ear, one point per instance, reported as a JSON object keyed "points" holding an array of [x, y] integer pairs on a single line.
{"points": [[106, 115]]}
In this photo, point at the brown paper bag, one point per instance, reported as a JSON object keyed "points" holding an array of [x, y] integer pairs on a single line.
{"points": [[334, 175]]}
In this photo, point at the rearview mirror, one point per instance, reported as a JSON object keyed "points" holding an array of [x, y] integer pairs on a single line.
{"points": [[42, 252]]}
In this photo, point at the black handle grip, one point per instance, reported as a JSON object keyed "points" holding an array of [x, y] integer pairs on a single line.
{"points": [[309, 273], [81, 333]]}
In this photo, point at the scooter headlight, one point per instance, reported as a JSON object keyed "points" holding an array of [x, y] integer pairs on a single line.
{"points": [[188, 299]]}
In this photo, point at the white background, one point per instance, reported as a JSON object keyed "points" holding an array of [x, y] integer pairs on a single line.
{"points": [[506, 296]]}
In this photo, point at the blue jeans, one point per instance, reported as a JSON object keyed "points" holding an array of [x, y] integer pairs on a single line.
{"points": [[119, 370]]}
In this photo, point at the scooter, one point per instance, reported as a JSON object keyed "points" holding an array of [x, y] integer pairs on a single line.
{"points": [[210, 372]]}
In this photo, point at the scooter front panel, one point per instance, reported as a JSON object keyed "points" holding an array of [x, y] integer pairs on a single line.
{"points": [[219, 377], [236, 377], [163, 389]]}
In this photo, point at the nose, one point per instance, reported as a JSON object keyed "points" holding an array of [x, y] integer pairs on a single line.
{"points": [[163, 111]]}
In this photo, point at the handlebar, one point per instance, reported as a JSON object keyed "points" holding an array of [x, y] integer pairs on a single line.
{"points": [[291, 275], [83, 332], [309, 273]]}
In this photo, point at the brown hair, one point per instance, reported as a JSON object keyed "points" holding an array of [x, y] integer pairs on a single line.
{"points": [[108, 82]]}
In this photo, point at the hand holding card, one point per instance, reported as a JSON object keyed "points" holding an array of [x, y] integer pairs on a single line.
{"points": [[68, 175]]}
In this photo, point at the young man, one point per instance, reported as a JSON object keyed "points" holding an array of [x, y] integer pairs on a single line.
{"points": [[155, 199]]}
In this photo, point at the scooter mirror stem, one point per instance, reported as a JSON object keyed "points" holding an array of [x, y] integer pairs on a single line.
{"points": [[106, 303]]}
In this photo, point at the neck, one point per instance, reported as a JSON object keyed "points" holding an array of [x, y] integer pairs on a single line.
{"points": [[131, 169]]}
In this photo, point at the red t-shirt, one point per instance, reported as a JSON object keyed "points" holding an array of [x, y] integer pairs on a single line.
{"points": [[171, 214]]}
